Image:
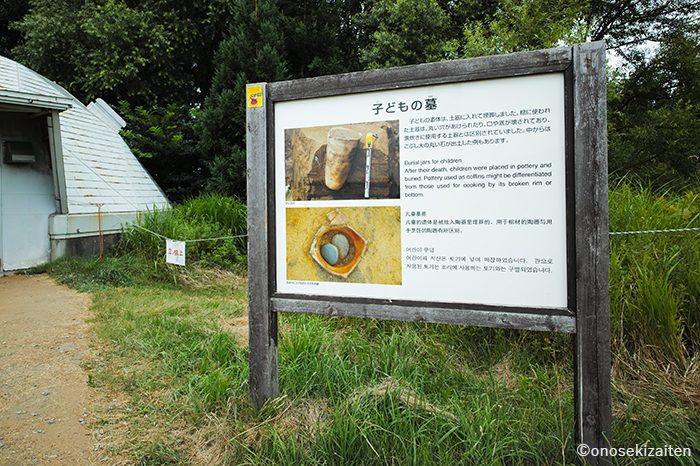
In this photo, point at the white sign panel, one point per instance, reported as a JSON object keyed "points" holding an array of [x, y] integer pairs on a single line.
{"points": [[175, 253], [452, 193]]}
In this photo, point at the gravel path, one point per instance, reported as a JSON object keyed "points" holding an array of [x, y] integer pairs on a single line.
{"points": [[45, 400]]}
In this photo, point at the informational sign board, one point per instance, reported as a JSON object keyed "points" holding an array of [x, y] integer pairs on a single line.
{"points": [[471, 192], [478, 213], [175, 252]]}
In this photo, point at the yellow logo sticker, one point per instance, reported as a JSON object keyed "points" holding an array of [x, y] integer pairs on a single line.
{"points": [[254, 96]]}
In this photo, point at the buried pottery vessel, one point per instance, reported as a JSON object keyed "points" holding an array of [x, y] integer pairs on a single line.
{"points": [[340, 151], [337, 247]]}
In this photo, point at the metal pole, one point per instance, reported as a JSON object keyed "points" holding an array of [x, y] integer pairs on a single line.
{"points": [[368, 166]]}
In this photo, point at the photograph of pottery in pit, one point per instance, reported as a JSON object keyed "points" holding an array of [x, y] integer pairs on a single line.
{"points": [[352, 161], [346, 244]]}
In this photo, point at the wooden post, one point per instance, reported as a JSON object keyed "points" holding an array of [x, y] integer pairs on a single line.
{"points": [[262, 321], [592, 397]]}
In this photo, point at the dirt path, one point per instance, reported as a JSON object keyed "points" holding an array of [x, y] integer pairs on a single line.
{"points": [[44, 396]]}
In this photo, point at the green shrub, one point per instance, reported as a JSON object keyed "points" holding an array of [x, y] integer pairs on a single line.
{"points": [[207, 216]]}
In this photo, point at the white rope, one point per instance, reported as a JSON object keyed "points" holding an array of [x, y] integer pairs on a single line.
{"points": [[214, 239], [149, 231], [184, 240], [640, 232]]}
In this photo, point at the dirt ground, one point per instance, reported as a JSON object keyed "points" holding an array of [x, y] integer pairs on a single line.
{"points": [[45, 400]]}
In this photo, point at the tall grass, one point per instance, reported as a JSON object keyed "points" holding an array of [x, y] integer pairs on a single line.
{"points": [[362, 391], [655, 278], [352, 391], [207, 216]]}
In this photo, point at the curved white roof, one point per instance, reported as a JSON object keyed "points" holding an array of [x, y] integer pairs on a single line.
{"points": [[99, 166]]}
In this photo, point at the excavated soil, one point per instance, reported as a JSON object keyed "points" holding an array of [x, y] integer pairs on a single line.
{"points": [[379, 226]]}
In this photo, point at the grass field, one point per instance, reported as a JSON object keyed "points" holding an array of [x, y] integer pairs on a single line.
{"points": [[171, 354]]}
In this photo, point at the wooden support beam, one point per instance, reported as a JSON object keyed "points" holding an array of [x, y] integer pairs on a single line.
{"points": [[592, 395], [262, 321]]}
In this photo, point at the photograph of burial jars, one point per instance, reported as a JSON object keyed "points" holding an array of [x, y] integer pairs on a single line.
{"points": [[349, 244], [349, 161]]}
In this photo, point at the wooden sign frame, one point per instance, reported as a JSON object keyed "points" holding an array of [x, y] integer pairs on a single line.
{"points": [[587, 314]]}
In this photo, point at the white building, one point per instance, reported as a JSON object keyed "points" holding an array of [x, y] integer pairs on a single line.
{"points": [[60, 164]]}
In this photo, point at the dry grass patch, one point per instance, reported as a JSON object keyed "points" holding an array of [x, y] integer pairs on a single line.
{"points": [[304, 416], [407, 396], [238, 327], [641, 378], [503, 372], [199, 278]]}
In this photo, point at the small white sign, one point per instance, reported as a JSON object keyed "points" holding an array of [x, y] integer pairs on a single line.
{"points": [[175, 252]]}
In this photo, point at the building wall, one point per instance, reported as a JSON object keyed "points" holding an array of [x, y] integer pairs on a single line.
{"points": [[26, 195], [85, 246]]}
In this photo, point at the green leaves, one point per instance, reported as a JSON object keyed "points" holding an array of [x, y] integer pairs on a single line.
{"points": [[403, 32], [525, 25], [124, 43], [150, 52], [166, 141], [654, 115], [252, 51]]}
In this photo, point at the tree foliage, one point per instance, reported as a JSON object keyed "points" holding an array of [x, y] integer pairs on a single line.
{"points": [[10, 11], [654, 114], [518, 25], [268, 41], [627, 24], [149, 52], [252, 51], [181, 66], [320, 36], [166, 140], [401, 32]]}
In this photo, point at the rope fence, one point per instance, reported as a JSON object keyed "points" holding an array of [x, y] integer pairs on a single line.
{"points": [[219, 238], [638, 232], [612, 233], [641, 232], [176, 254], [184, 240]]}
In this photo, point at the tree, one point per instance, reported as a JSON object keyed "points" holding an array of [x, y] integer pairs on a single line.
{"points": [[524, 25], [627, 24], [403, 32], [654, 114], [151, 52], [166, 141], [253, 51], [269, 41], [99, 49], [10, 11], [155, 55], [320, 36]]}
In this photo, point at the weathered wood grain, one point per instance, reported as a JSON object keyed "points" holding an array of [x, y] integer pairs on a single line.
{"points": [[262, 322], [556, 321], [592, 368], [471, 69]]}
